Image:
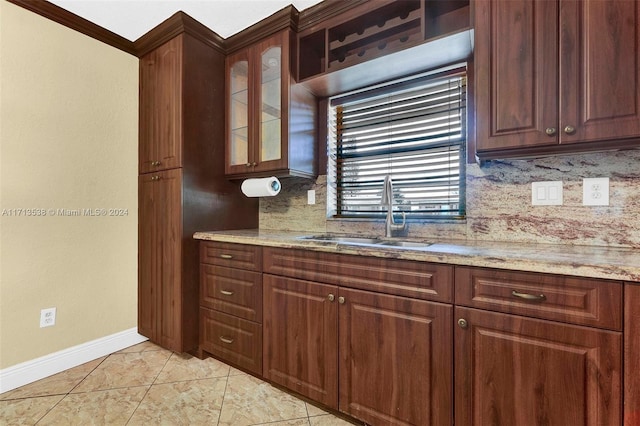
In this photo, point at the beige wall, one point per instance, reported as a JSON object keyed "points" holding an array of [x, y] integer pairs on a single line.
{"points": [[68, 140]]}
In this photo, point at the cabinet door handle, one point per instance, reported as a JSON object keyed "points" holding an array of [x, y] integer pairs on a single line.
{"points": [[226, 292], [530, 297], [331, 297], [550, 131], [226, 340], [569, 130], [248, 164], [226, 256], [463, 323], [341, 300]]}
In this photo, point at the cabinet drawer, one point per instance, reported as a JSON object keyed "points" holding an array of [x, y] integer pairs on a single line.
{"points": [[231, 339], [392, 276], [234, 291], [231, 255], [568, 299]]}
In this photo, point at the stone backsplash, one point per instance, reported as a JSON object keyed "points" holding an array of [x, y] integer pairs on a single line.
{"points": [[498, 204]]}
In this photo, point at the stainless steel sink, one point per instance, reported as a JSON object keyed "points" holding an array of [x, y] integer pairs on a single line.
{"points": [[343, 239], [405, 244], [372, 241]]}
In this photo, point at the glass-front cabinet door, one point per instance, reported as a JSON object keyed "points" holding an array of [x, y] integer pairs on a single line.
{"points": [[270, 105], [238, 126]]}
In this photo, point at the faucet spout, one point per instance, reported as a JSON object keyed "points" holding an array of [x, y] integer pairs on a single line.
{"points": [[387, 199]]}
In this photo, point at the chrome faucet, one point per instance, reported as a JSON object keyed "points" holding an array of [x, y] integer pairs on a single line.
{"points": [[387, 198]]}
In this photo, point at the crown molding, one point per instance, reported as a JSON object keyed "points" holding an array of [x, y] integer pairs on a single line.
{"points": [[324, 10], [178, 23], [75, 22], [285, 18]]}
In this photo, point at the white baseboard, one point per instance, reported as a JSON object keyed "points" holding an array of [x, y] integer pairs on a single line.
{"points": [[39, 368]]}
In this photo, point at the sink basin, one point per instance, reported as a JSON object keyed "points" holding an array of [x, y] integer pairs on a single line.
{"points": [[405, 244], [339, 239], [342, 239]]}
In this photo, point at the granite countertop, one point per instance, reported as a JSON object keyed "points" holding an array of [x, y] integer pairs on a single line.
{"points": [[584, 261]]}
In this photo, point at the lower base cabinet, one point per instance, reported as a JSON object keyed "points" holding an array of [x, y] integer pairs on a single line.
{"points": [[512, 370], [382, 359]]}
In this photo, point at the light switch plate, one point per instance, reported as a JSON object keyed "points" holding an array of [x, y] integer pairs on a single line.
{"points": [[547, 193], [595, 191]]}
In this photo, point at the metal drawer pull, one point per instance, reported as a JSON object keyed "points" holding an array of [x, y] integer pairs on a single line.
{"points": [[463, 323], [331, 297], [226, 340], [526, 296], [226, 256], [226, 292], [341, 300]]}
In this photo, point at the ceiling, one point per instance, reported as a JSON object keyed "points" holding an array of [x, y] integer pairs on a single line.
{"points": [[134, 18]]}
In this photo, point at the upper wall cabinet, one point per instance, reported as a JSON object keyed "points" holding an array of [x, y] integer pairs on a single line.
{"points": [[160, 146], [271, 120], [556, 76]]}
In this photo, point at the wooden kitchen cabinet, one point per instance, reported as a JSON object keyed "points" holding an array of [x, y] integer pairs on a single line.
{"points": [[395, 359], [513, 370], [160, 145], [271, 121], [161, 307], [231, 303], [380, 358], [182, 187], [556, 76]]}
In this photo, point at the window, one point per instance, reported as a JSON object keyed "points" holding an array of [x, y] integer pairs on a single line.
{"points": [[413, 130]]}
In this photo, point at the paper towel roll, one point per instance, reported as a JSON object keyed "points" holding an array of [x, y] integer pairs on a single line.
{"points": [[264, 187]]}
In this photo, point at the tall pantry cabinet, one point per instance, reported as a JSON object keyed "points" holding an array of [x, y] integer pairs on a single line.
{"points": [[181, 185]]}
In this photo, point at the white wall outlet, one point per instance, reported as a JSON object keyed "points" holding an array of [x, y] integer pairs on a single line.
{"points": [[47, 317], [548, 193], [311, 196], [595, 191]]}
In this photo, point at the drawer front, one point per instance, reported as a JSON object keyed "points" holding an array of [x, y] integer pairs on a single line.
{"points": [[392, 276], [231, 339], [575, 300], [233, 291], [239, 256]]}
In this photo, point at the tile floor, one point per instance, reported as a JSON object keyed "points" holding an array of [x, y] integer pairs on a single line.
{"points": [[148, 385]]}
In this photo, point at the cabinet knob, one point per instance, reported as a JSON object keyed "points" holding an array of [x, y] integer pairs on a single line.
{"points": [[463, 323], [569, 130], [341, 300], [550, 131], [254, 164], [155, 177], [331, 297], [248, 164]]}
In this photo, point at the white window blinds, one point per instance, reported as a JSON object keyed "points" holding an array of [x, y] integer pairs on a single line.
{"points": [[415, 131]]}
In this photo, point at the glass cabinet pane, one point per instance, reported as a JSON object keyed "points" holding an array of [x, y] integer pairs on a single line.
{"points": [[271, 108], [239, 114]]}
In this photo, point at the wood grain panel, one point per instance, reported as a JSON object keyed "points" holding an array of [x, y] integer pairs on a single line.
{"points": [[600, 71], [632, 354], [300, 337], [232, 339], [147, 246], [233, 291], [580, 301], [395, 359], [516, 73], [393, 276], [513, 370], [241, 256]]}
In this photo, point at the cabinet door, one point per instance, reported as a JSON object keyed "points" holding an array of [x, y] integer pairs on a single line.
{"points": [[512, 370], [272, 98], [600, 71], [239, 99], [147, 243], [300, 337], [161, 108], [395, 359], [516, 51], [168, 212]]}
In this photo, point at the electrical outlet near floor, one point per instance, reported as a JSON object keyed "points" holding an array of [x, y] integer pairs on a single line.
{"points": [[595, 191], [547, 193], [47, 317]]}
